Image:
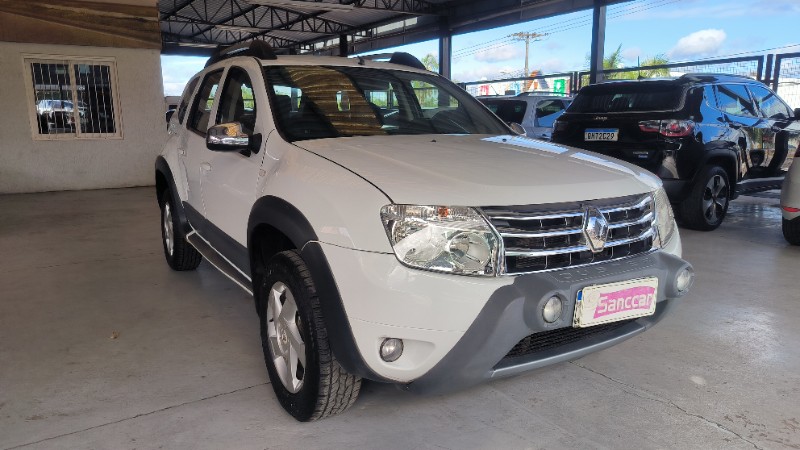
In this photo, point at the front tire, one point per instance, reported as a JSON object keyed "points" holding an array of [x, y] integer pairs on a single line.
{"points": [[707, 204], [180, 254], [308, 381], [791, 231]]}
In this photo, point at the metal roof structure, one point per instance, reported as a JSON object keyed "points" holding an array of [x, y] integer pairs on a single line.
{"points": [[341, 26]]}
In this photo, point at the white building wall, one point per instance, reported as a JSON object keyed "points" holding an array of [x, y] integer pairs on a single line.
{"points": [[28, 165]]}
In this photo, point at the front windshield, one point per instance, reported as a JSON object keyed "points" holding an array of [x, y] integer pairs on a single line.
{"points": [[315, 102]]}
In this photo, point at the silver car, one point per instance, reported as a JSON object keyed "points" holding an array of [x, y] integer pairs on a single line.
{"points": [[536, 112]]}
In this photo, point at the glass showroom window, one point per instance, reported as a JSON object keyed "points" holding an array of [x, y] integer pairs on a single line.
{"points": [[73, 99]]}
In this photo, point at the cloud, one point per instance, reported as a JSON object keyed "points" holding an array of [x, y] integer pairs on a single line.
{"points": [[177, 70], [632, 53], [551, 65], [499, 54], [484, 72], [698, 44], [553, 45]]}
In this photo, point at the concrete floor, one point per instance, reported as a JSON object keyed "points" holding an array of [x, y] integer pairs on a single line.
{"points": [[103, 346]]}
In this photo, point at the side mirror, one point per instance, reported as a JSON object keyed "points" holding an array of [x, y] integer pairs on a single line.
{"points": [[229, 137], [169, 114], [797, 113], [517, 128]]}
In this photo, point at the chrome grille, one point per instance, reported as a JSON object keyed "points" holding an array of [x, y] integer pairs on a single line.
{"points": [[538, 238]]}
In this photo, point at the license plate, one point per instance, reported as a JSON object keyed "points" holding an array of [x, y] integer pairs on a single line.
{"points": [[612, 302], [601, 134]]}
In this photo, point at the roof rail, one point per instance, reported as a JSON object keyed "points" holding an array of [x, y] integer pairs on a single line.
{"points": [[701, 75], [402, 58], [256, 48]]}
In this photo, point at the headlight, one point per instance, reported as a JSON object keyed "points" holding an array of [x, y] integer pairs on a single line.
{"points": [[665, 219], [441, 238]]}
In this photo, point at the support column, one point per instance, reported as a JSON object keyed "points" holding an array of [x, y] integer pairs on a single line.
{"points": [[598, 42], [343, 48], [445, 49]]}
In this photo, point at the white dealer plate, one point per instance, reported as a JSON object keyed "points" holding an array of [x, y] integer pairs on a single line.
{"points": [[601, 134], [611, 302]]}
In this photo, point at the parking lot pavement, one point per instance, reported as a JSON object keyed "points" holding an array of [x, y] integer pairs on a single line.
{"points": [[103, 346]]}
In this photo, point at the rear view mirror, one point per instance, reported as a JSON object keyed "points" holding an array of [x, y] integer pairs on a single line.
{"points": [[517, 128], [797, 113], [169, 114], [230, 137]]}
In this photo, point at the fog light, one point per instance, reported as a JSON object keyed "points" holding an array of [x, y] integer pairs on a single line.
{"points": [[684, 280], [391, 349], [552, 309]]}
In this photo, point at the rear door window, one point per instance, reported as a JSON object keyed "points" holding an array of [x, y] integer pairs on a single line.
{"points": [[511, 111], [734, 99], [204, 102], [547, 111], [187, 95]]}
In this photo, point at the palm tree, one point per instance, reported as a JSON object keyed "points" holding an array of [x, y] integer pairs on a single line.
{"points": [[614, 61]]}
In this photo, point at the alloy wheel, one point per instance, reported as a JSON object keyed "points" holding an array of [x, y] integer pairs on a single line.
{"points": [[715, 198], [169, 235], [284, 333]]}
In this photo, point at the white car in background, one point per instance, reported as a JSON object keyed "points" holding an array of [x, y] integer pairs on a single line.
{"points": [[535, 111], [790, 202]]}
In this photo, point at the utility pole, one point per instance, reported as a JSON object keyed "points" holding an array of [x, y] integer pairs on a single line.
{"points": [[527, 37]]}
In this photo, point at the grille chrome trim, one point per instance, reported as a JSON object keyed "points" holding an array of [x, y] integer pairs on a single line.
{"points": [[650, 232], [646, 218], [542, 234], [639, 205], [548, 237], [544, 217]]}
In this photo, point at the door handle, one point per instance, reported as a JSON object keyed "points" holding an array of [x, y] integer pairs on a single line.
{"points": [[205, 167], [182, 151]]}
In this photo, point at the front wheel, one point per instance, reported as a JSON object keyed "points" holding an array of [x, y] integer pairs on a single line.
{"points": [[791, 231], [707, 204], [179, 253], [308, 381]]}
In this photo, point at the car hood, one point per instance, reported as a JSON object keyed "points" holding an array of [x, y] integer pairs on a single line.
{"points": [[481, 170]]}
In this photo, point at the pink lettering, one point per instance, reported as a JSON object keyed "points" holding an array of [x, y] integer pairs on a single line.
{"points": [[630, 299]]}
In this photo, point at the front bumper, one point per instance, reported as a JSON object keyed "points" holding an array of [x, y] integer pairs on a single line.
{"points": [[457, 330]]}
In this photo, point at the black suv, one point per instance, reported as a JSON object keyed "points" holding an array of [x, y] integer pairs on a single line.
{"points": [[710, 137]]}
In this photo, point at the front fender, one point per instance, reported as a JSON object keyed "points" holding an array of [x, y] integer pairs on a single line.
{"points": [[280, 215], [341, 207]]}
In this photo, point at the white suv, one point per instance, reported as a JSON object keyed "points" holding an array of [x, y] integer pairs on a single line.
{"points": [[391, 228]]}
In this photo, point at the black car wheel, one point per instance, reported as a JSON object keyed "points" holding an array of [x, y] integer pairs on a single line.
{"points": [[707, 204], [179, 253], [305, 375], [791, 231]]}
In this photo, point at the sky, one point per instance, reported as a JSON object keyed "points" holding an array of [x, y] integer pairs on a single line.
{"points": [[681, 30]]}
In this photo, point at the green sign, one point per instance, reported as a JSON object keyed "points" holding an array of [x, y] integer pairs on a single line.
{"points": [[560, 86]]}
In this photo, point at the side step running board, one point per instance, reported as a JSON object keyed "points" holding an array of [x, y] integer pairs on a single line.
{"points": [[216, 260], [758, 185]]}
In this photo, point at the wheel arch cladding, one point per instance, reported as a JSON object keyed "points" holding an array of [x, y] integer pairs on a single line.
{"points": [[164, 181], [727, 160], [271, 213]]}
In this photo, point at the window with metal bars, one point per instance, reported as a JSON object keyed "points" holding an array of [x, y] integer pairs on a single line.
{"points": [[73, 98]]}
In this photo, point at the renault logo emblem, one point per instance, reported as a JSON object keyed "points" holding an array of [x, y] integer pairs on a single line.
{"points": [[595, 229]]}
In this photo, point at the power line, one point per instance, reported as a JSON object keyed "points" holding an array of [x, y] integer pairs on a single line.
{"points": [[562, 26], [527, 37]]}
